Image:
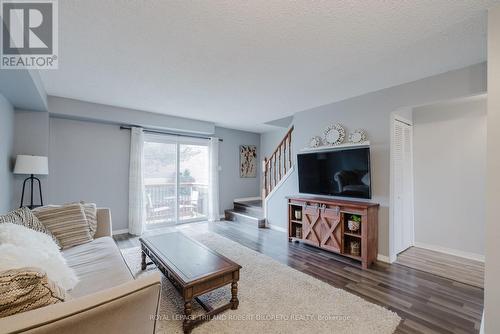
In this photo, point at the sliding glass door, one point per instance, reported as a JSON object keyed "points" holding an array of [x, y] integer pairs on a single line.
{"points": [[160, 181], [175, 180], [193, 182]]}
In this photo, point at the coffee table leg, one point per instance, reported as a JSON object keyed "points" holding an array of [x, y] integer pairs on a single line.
{"points": [[186, 325], [234, 292], [143, 260]]}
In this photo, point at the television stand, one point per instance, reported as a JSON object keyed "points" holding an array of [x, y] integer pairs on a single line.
{"points": [[330, 224]]}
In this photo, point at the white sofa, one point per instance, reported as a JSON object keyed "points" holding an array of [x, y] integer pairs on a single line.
{"points": [[106, 300]]}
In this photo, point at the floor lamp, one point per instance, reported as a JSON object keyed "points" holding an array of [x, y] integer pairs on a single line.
{"points": [[31, 165]]}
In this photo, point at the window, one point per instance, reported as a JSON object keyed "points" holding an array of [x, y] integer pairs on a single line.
{"points": [[175, 180]]}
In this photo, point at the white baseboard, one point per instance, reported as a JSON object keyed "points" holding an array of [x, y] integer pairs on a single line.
{"points": [[244, 199], [277, 228], [451, 251], [383, 258], [393, 258], [481, 329], [116, 232]]}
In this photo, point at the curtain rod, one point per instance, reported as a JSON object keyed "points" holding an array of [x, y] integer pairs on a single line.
{"points": [[123, 127]]}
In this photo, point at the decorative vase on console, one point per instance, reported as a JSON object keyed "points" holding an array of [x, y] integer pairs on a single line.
{"points": [[354, 223], [355, 248]]}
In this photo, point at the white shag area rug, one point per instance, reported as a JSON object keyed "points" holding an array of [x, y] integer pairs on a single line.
{"points": [[274, 298]]}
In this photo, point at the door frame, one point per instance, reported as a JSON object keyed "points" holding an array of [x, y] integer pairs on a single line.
{"points": [[396, 117]]}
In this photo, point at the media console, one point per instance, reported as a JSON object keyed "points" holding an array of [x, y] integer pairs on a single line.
{"points": [[330, 224]]}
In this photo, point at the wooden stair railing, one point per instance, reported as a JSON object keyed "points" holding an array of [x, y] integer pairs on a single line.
{"points": [[276, 166]]}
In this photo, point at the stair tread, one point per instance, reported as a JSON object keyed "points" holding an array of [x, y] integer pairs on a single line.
{"points": [[244, 213], [244, 217], [252, 203], [250, 210]]}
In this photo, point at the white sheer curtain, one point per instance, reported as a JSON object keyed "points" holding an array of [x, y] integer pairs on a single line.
{"points": [[136, 207], [213, 179]]}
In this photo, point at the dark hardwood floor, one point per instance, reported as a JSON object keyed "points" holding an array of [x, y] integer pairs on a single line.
{"points": [[427, 303]]}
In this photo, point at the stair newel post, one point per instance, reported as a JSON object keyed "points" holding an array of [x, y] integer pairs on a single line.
{"points": [[274, 181], [269, 171], [271, 175], [264, 172], [290, 148], [269, 168], [279, 163], [284, 157]]}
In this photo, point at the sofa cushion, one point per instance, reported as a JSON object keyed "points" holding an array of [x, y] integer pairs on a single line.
{"points": [[25, 217], [67, 223], [99, 265], [27, 289]]}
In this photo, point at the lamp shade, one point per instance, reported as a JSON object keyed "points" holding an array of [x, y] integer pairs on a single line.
{"points": [[31, 164]]}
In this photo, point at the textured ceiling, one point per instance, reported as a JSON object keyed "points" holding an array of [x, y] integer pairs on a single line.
{"points": [[243, 63]]}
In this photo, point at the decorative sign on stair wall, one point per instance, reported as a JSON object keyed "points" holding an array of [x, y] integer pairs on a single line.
{"points": [[248, 161]]}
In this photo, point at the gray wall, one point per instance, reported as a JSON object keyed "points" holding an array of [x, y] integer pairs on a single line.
{"points": [[81, 110], [449, 159], [492, 265], [372, 112], [90, 161], [6, 151], [31, 136], [231, 186], [269, 141]]}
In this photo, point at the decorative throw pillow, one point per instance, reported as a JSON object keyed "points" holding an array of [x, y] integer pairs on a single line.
{"points": [[22, 247], [25, 217], [27, 289], [67, 223], [90, 210]]}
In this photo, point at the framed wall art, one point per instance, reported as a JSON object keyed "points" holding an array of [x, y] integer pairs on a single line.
{"points": [[248, 161]]}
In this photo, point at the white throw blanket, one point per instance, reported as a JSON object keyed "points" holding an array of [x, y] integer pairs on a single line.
{"points": [[22, 247]]}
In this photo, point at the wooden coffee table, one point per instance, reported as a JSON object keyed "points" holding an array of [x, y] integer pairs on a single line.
{"points": [[193, 269]]}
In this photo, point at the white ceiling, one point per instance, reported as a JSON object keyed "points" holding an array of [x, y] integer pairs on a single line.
{"points": [[243, 63]]}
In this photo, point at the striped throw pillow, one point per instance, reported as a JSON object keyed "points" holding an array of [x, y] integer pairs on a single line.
{"points": [[90, 210], [27, 289], [67, 223], [25, 217]]}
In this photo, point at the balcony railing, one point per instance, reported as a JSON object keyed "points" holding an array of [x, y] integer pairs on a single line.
{"points": [[161, 202]]}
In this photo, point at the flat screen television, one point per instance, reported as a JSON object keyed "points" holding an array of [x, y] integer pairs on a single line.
{"points": [[344, 173]]}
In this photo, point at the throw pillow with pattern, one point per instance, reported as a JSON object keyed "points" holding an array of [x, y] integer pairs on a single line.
{"points": [[25, 217], [67, 223], [90, 210], [27, 289]]}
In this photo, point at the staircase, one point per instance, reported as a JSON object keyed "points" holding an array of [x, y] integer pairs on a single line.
{"points": [[275, 169], [247, 211], [277, 165]]}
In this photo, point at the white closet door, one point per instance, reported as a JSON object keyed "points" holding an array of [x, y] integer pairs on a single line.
{"points": [[403, 186]]}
